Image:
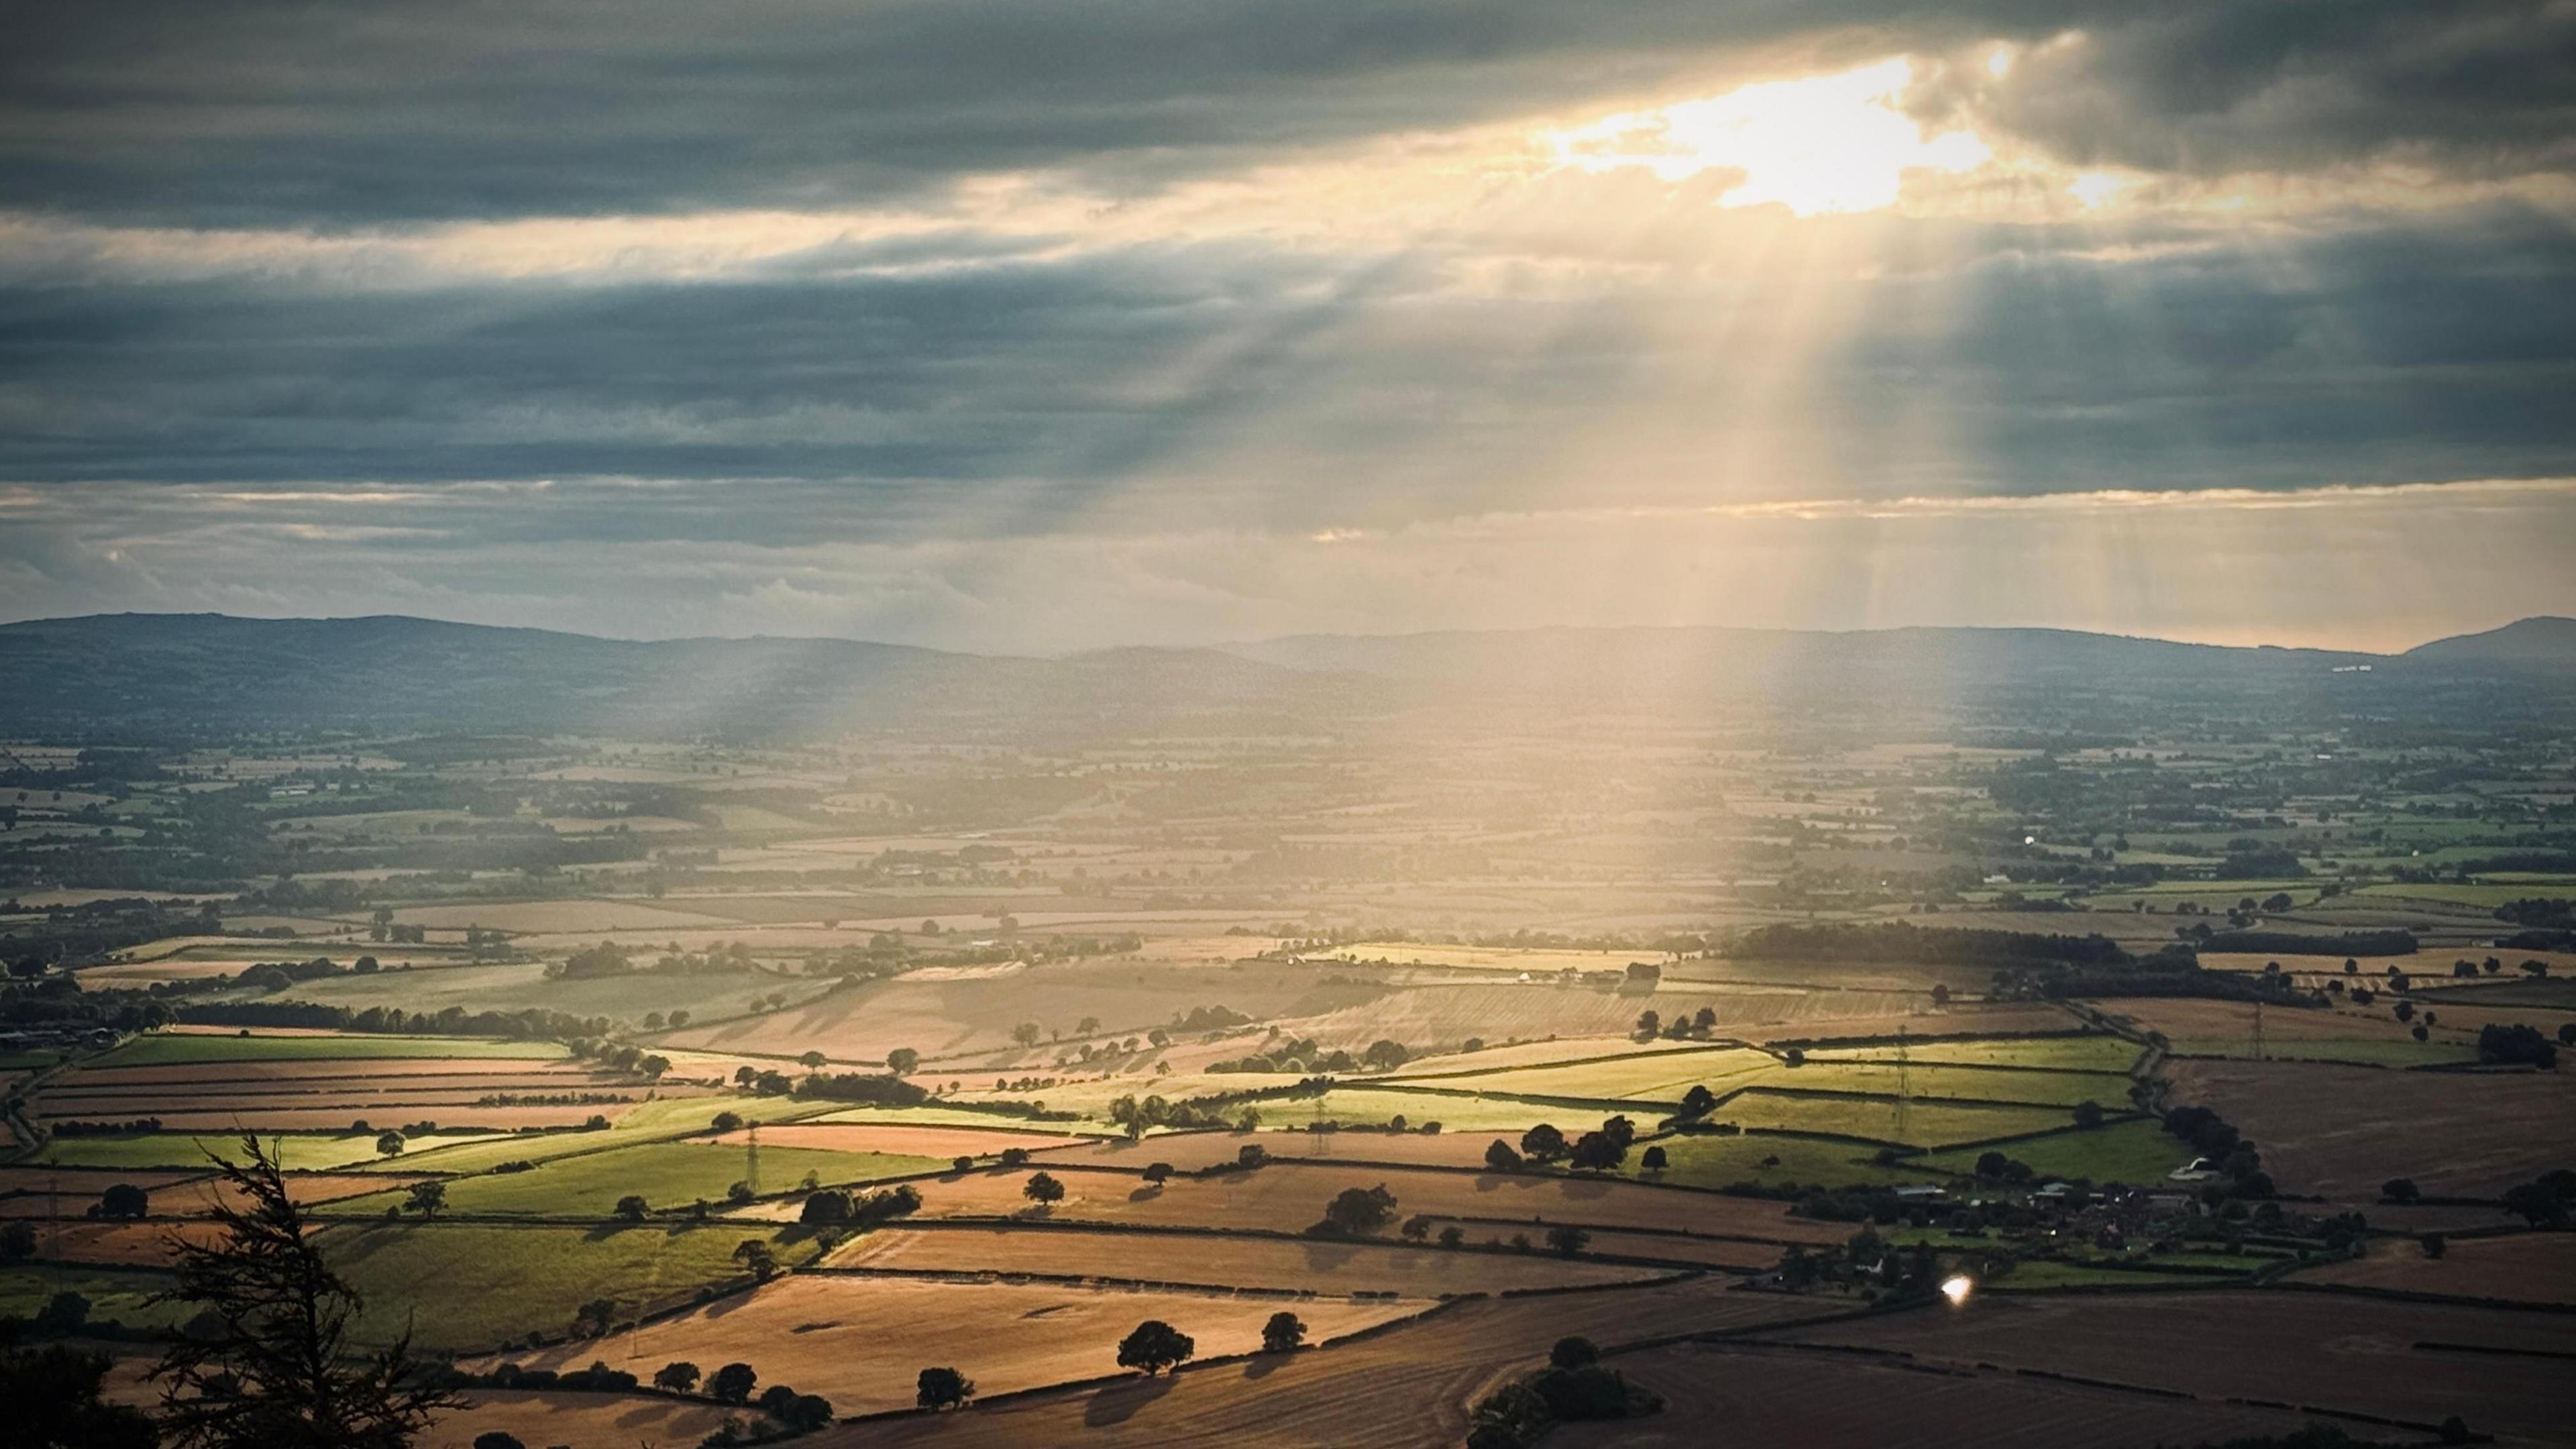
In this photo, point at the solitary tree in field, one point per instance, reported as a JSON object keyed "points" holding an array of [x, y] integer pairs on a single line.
{"points": [[727, 1122], [1042, 1189], [1499, 1157], [1452, 1236], [1158, 1173], [268, 1360], [1543, 1143], [754, 1254], [1358, 1211], [1654, 1160], [943, 1388], [679, 1376], [1015, 1157], [428, 1198], [1567, 1239], [1597, 1152], [1283, 1333], [733, 1383], [1417, 1227], [902, 1060], [632, 1207], [812, 1061], [2088, 1115], [2399, 1190], [591, 1320], [1154, 1347], [389, 1145], [124, 1200], [963, 1163]]}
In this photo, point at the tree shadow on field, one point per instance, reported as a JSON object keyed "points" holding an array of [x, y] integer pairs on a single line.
{"points": [[1118, 1403], [1263, 1365]]}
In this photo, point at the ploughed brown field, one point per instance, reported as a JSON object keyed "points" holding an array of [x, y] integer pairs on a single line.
{"points": [[2522, 1267], [2331, 1350], [122, 1245], [1290, 1197], [1320, 1266], [1408, 1385], [2341, 1131], [1718, 1394], [861, 1341]]}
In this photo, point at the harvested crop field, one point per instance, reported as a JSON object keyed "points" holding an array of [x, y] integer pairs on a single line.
{"points": [[901, 1138], [332, 1074], [1409, 1385], [122, 1245], [1319, 1266], [860, 1341], [2341, 1131], [2521, 1267], [1718, 1393], [1290, 1196], [271, 1117], [667, 1175], [171, 1048], [581, 1419], [2307, 1348]]}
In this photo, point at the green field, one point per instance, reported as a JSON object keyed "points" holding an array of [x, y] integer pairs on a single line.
{"points": [[462, 1286], [1663, 1077], [170, 1049], [1454, 1114], [667, 1174], [2131, 1152], [518, 985], [2048, 1089], [645, 1122], [2109, 1054], [1706, 1160], [2041, 1277], [2550, 993], [2389, 1051], [181, 1149], [112, 1293], [1927, 1124], [2487, 897]]}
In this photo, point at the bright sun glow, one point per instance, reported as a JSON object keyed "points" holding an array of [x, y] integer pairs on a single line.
{"points": [[1823, 144], [1956, 1289]]}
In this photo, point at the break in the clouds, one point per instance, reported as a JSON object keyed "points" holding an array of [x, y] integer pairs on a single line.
{"points": [[1044, 325]]}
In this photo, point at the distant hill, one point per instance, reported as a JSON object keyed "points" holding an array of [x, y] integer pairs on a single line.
{"points": [[2546, 643], [161, 675], [165, 676]]}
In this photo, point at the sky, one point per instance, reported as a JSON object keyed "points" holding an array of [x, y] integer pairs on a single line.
{"points": [[1044, 325]]}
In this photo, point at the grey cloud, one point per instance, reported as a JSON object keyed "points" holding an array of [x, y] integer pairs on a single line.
{"points": [[289, 114]]}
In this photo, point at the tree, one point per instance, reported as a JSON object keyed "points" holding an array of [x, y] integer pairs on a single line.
{"points": [[2434, 1245], [1597, 1152], [53, 1402], [1654, 1160], [962, 1163], [1027, 1033], [733, 1384], [902, 1060], [1699, 1101], [1573, 1352], [1452, 1235], [1567, 1239], [124, 1200], [427, 1198], [2088, 1115], [17, 1241], [591, 1320], [2399, 1190], [943, 1388], [1042, 1188], [812, 1061], [1500, 1157], [1015, 1156], [1284, 1333], [269, 1360], [1356, 1212], [496, 1439], [727, 1122], [1154, 1347], [1158, 1173], [1649, 1022], [754, 1254], [1543, 1143], [1384, 1055], [389, 1145], [679, 1376], [632, 1208], [1940, 993]]}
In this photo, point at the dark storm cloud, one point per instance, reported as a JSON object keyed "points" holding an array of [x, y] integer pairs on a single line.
{"points": [[1035, 390], [202, 113]]}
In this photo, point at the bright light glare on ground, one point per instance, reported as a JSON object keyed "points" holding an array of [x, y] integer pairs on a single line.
{"points": [[1956, 1289]]}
